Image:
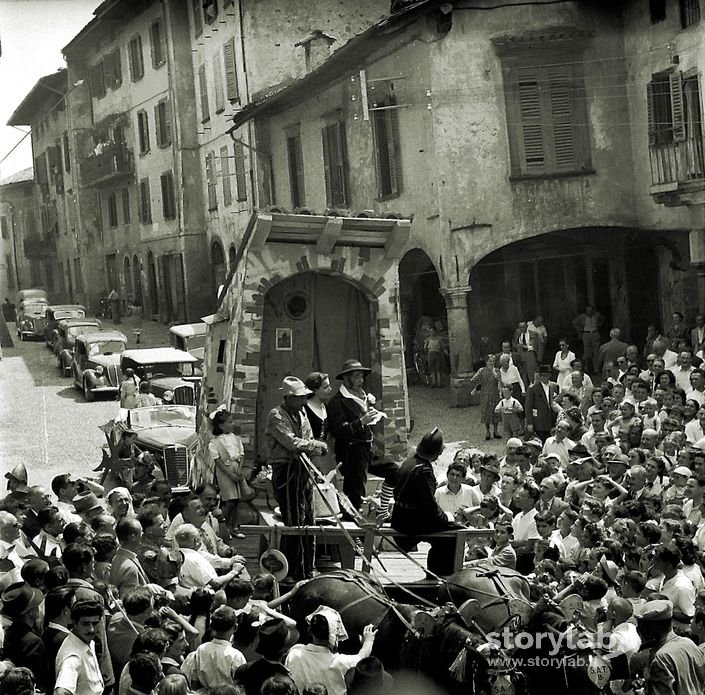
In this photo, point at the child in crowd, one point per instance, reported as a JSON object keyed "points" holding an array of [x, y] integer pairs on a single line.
{"points": [[511, 411]]}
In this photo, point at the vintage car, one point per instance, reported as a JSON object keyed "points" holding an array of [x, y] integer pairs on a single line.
{"points": [[99, 349], [31, 310], [167, 369], [169, 433], [190, 337], [57, 312], [65, 338]]}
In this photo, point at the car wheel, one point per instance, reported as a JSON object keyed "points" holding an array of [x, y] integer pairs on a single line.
{"points": [[87, 393]]}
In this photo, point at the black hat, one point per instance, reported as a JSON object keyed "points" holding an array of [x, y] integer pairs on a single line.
{"points": [[579, 450], [275, 637], [19, 599], [352, 366], [368, 676], [431, 444], [545, 369]]}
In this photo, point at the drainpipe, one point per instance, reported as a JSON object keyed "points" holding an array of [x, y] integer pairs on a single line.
{"points": [[14, 246]]}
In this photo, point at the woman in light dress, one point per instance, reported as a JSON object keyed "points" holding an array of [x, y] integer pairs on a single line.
{"points": [[561, 364]]}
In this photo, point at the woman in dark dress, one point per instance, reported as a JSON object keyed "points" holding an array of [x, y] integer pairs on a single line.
{"points": [[487, 379], [317, 415]]}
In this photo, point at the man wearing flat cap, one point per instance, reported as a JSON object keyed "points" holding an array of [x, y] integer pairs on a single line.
{"points": [[416, 511], [288, 434], [675, 664], [351, 416]]}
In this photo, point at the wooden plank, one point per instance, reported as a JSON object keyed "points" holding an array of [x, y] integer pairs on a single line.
{"points": [[329, 235]]}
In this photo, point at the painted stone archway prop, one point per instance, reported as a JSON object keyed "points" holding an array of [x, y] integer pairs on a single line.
{"points": [[361, 253]]}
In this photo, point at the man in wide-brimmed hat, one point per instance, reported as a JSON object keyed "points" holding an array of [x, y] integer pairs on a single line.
{"points": [[288, 434], [351, 416], [416, 511], [274, 639]]}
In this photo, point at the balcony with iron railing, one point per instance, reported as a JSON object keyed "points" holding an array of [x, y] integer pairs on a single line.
{"points": [[678, 171], [39, 245], [109, 164]]}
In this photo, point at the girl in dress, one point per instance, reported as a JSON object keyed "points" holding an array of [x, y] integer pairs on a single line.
{"points": [[561, 364], [227, 453]]}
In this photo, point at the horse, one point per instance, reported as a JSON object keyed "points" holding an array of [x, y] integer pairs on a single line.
{"points": [[409, 638], [502, 594]]}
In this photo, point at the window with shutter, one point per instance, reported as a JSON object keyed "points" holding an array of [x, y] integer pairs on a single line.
{"points": [[117, 68], [162, 119], [386, 142], [143, 131], [108, 70], [126, 216], [675, 84], [145, 202], [210, 10], [67, 152], [197, 17], [231, 86], [156, 36], [218, 83], [97, 80], [211, 180], [690, 12], [112, 211], [136, 59], [203, 88], [225, 175], [168, 201], [547, 119], [240, 171], [296, 169], [335, 164]]}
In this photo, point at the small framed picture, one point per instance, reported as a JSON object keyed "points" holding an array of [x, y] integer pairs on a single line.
{"points": [[284, 339]]}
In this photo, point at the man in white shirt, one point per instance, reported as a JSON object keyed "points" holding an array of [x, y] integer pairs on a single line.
{"points": [[77, 669], [660, 347], [47, 541], [9, 542], [697, 387], [196, 571], [683, 370], [597, 424], [559, 443], [524, 525], [674, 584], [455, 494]]}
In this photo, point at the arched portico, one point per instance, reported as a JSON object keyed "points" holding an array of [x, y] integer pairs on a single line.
{"points": [[632, 277]]}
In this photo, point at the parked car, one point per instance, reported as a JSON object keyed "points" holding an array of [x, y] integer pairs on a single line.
{"points": [[190, 337], [99, 349], [31, 310], [167, 369], [57, 312], [65, 339], [168, 432]]}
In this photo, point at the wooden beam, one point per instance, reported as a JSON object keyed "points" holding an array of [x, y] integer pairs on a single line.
{"points": [[329, 235], [398, 239], [261, 232]]}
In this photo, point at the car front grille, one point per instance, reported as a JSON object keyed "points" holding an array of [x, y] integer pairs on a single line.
{"points": [[184, 395], [176, 464], [112, 373]]}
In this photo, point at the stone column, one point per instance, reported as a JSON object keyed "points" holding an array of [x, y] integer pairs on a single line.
{"points": [[460, 346]]}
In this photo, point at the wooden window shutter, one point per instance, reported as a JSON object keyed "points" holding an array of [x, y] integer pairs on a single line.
{"points": [[650, 119], [225, 173], [296, 171], [117, 68], [218, 83], [561, 96], [342, 195], [108, 67], [231, 86], [203, 87], [240, 171], [158, 126], [126, 205], [675, 81], [532, 134], [327, 165], [167, 121]]}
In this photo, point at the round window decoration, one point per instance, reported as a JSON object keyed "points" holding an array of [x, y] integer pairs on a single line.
{"points": [[297, 305]]}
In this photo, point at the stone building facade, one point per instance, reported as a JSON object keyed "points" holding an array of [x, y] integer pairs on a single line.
{"points": [[17, 222]]}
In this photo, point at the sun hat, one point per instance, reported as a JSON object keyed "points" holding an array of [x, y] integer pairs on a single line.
{"points": [[368, 675], [682, 470], [352, 366], [85, 502], [431, 444], [654, 610], [491, 467], [293, 386]]}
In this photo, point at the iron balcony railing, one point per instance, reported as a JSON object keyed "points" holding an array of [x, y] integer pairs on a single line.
{"points": [[113, 164], [677, 162]]}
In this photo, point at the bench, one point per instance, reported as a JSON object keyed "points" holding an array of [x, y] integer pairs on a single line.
{"points": [[272, 529]]}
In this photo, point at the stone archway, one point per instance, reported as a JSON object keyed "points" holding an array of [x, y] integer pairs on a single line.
{"points": [[421, 301], [313, 321]]}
